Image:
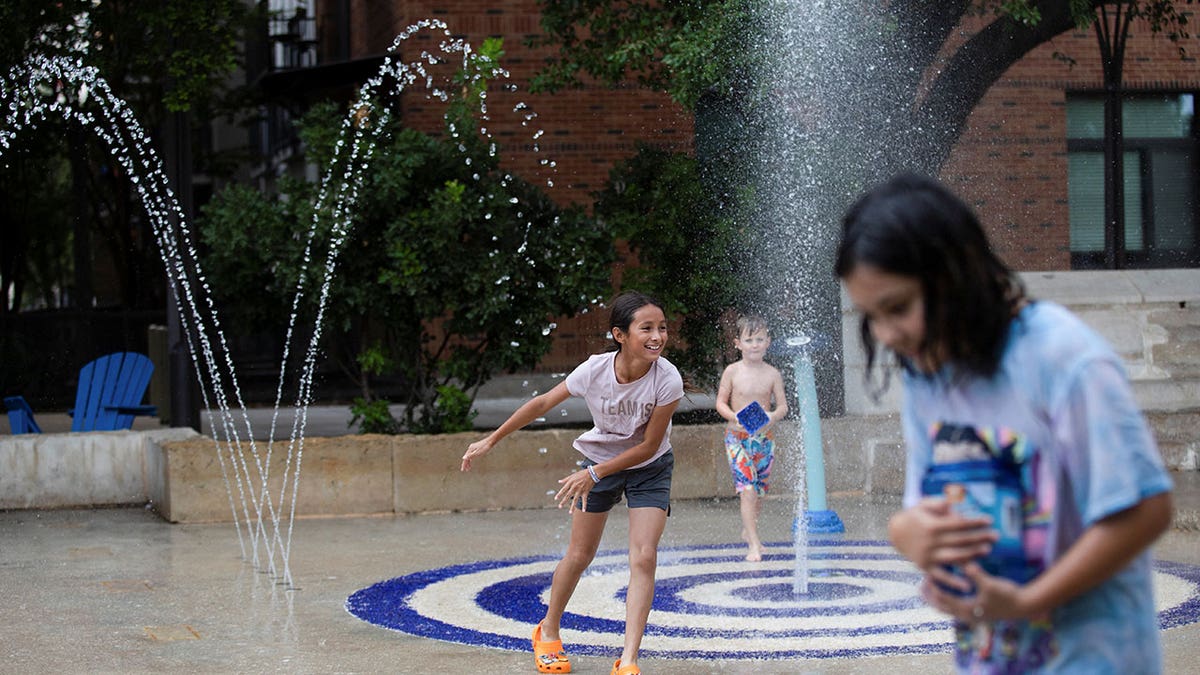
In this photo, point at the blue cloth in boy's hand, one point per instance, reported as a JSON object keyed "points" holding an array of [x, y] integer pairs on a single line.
{"points": [[753, 417]]}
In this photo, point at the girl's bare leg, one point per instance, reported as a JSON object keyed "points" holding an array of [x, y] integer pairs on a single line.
{"points": [[586, 530], [646, 526]]}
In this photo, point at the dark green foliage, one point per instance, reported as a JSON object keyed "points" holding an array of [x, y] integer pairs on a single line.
{"points": [[373, 417], [690, 247], [35, 228], [451, 412], [161, 57], [451, 271], [683, 48]]}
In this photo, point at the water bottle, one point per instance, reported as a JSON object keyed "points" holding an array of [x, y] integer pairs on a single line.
{"points": [[990, 488]]}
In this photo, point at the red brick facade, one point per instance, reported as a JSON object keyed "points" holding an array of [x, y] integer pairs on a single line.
{"points": [[1010, 162], [585, 131]]}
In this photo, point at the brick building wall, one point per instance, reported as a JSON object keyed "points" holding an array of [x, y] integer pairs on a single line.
{"points": [[584, 132], [1011, 160]]}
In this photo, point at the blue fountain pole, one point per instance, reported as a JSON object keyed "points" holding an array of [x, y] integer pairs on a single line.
{"points": [[819, 518]]}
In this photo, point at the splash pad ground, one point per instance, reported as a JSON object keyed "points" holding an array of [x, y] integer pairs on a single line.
{"points": [[120, 590]]}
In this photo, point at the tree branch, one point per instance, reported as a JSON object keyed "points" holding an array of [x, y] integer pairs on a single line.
{"points": [[974, 68]]}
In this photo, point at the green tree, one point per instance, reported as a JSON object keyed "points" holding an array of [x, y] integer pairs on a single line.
{"points": [[160, 57], [689, 244], [776, 133], [707, 49], [450, 271]]}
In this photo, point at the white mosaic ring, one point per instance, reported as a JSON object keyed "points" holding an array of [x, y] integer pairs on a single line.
{"points": [[709, 603]]}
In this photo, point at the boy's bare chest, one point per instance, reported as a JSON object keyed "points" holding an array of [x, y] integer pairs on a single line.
{"points": [[753, 382]]}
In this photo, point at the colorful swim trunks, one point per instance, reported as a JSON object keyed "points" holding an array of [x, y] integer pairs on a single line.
{"points": [[750, 459]]}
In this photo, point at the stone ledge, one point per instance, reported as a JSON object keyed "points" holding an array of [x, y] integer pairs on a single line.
{"points": [[180, 473], [80, 469], [356, 475]]}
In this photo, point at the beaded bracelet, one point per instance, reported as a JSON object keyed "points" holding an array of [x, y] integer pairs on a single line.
{"points": [[592, 473]]}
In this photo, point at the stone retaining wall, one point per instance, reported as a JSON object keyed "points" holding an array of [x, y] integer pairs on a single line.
{"points": [[1152, 318], [413, 474], [179, 473], [82, 469]]}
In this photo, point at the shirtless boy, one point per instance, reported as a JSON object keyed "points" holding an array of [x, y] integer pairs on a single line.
{"points": [[746, 381]]}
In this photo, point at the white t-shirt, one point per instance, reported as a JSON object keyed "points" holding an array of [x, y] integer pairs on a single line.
{"points": [[620, 412]]}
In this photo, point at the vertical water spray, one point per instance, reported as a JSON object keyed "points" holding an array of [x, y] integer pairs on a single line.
{"points": [[816, 152], [45, 85], [334, 217]]}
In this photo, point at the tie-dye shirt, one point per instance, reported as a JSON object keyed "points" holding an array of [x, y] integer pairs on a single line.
{"points": [[1061, 411]]}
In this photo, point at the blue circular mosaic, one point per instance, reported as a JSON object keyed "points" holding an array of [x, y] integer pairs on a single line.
{"points": [[709, 603]]}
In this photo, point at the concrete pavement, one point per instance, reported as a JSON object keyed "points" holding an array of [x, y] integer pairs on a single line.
{"points": [[119, 590]]}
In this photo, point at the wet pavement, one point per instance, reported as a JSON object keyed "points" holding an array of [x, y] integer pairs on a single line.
{"points": [[120, 590]]}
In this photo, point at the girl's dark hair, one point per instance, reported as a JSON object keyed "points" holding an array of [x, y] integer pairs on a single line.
{"points": [[624, 306], [915, 227]]}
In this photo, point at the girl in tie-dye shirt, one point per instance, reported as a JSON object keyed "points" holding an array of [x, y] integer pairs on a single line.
{"points": [[1022, 398]]}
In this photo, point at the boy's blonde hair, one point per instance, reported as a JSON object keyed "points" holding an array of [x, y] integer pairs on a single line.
{"points": [[749, 324]]}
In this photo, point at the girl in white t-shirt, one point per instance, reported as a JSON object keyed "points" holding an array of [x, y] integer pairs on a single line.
{"points": [[631, 393]]}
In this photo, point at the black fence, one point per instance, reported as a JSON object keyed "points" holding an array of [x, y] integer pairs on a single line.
{"points": [[41, 352]]}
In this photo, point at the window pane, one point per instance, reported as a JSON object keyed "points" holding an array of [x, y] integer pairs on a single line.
{"points": [[1174, 201], [1134, 241], [1085, 201], [1085, 117], [1157, 117], [1166, 116]]}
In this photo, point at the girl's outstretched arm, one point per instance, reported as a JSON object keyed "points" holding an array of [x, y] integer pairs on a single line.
{"points": [[534, 408]]}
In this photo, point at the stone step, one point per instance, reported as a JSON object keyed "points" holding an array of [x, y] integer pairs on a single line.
{"points": [[1167, 394]]}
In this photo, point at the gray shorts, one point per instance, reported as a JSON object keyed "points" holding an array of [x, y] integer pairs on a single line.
{"points": [[649, 485]]}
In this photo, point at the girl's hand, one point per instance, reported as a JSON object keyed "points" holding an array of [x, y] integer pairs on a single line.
{"points": [[475, 450], [577, 485], [931, 534], [994, 599]]}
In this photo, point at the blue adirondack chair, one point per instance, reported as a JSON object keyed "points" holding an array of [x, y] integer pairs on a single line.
{"points": [[110, 392], [20, 416]]}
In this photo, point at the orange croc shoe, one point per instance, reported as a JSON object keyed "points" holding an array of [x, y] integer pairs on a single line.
{"points": [[549, 656], [630, 669]]}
